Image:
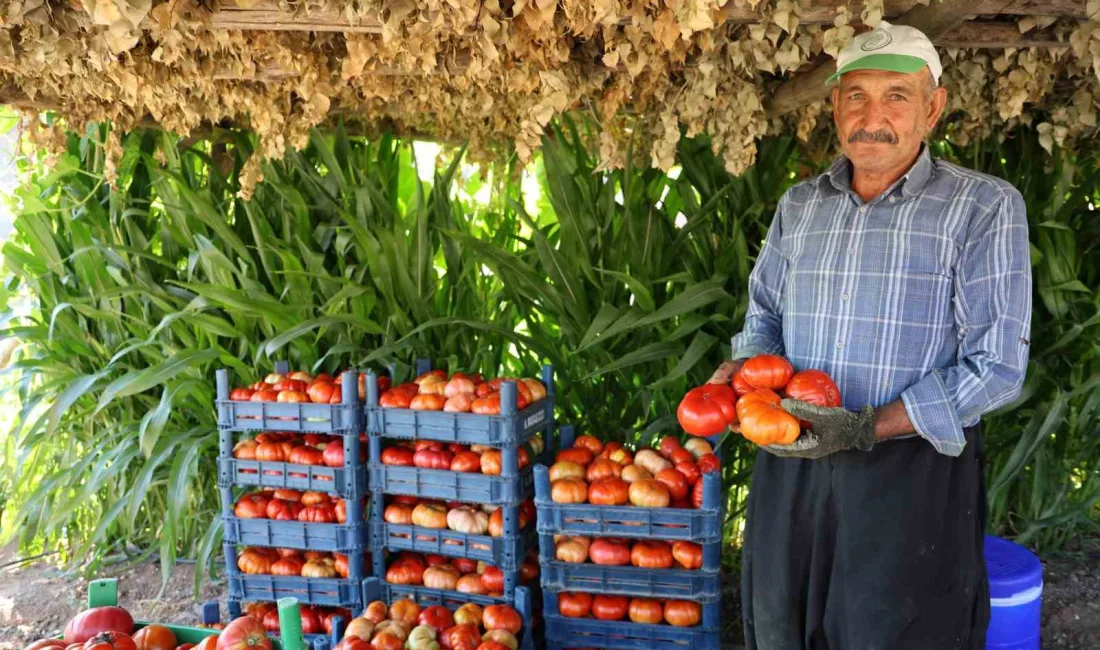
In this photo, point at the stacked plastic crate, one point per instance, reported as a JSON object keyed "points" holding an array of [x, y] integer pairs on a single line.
{"points": [[335, 491], [509, 432], [580, 583]]}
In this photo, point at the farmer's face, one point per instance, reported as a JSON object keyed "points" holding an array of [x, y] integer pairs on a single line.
{"points": [[882, 117]]}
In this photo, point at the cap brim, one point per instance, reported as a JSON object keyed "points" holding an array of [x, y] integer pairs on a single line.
{"points": [[890, 62]]}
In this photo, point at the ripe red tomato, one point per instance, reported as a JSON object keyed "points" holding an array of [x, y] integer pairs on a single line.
{"points": [[707, 410], [155, 637], [646, 610], [763, 421], [690, 471], [92, 621], [676, 483], [110, 640], [767, 371], [402, 456], [433, 459], [609, 553], [574, 605], [709, 463], [610, 608], [246, 633], [396, 398], [466, 461], [610, 491], [437, 617], [815, 387]]}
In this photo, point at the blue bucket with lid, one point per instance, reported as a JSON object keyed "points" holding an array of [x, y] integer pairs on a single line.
{"points": [[1015, 595]]}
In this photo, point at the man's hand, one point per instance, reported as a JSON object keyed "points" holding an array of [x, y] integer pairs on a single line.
{"points": [[834, 429], [726, 371]]}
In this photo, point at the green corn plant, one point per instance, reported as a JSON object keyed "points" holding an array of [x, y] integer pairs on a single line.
{"points": [[630, 282]]}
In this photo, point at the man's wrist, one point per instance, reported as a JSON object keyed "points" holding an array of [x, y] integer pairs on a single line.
{"points": [[892, 420]]}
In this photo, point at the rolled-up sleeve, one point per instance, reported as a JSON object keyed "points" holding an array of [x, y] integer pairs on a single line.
{"points": [[763, 329], [993, 321]]}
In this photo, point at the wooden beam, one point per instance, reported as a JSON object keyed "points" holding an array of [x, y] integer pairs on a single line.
{"points": [[270, 15], [823, 12], [997, 36], [934, 20]]}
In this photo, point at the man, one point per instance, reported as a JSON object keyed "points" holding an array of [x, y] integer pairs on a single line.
{"points": [[908, 280]]}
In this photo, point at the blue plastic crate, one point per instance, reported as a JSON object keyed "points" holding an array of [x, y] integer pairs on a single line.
{"points": [[511, 427], [565, 632], [452, 486], [700, 525], [342, 538], [347, 482], [333, 592], [701, 586], [304, 417], [376, 589], [505, 552], [510, 487]]}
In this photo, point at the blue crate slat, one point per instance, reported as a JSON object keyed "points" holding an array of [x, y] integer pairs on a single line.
{"points": [[506, 552], [701, 525], [701, 586], [565, 632], [304, 417], [332, 592], [341, 538], [511, 427], [450, 599], [319, 478], [452, 486]]}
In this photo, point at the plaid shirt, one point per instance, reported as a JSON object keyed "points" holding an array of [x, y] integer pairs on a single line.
{"points": [[922, 294]]}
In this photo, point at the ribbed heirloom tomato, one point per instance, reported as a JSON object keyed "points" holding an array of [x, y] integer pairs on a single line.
{"points": [[707, 410], [763, 421], [815, 387], [609, 492], [651, 554], [767, 371], [646, 610], [609, 553]]}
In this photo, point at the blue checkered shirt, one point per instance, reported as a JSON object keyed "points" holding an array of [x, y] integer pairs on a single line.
{"points": [[922, 294]]}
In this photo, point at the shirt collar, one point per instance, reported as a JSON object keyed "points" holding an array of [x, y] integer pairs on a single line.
{"points": [[912, 182]]}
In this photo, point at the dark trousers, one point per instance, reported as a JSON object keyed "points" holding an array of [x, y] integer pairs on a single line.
{"points": [[867, 550]]}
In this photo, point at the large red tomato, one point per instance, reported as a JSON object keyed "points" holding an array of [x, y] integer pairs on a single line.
{"points": [[155, 637], [91, 622], [246, 633], [603, 551], [110, 641], [767, 371], [502, 617], [574, 605], [609, 608], [463, 637], [815, 387], [402, 456], [763, 421], [436, 617], [707, 410]]}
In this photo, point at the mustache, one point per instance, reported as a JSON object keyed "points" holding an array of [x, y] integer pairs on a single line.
{"points": [[881, 135]]}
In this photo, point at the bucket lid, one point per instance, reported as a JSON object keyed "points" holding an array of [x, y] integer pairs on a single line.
{"points": [[1012, 568]]}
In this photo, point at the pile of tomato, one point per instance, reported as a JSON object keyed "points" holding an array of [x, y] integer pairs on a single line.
{"points": [[285, 447], [293, 562], [284, 504], [474, 459], [651, 611], [460, 393], [612, 475], [751, 401], [456, 574], [301, 387], [453, 515]]}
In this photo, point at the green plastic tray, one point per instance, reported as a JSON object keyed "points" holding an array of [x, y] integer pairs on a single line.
{"points": [[104, 593]]}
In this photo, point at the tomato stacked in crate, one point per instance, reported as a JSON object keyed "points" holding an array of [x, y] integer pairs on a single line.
{"points": [[293, 481], [451, 460], [629, 544]]}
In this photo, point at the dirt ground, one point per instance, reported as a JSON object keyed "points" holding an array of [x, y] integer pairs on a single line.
{"points": [[37, 599]]}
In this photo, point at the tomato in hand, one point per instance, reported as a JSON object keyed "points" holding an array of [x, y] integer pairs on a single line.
{"points": [[707, 410]]}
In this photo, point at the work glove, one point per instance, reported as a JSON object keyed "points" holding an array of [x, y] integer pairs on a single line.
{"points": [[833, 430]]}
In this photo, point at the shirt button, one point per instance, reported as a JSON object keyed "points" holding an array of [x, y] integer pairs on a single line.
{"points": [[839, 345], [862, 209], [893, 199], [844, 296]]}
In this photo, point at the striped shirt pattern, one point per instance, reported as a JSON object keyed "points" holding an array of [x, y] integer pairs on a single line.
{"points": [[922, 294]]}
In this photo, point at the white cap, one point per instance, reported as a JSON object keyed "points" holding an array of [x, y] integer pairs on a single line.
{"points": [[897, 48]]}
